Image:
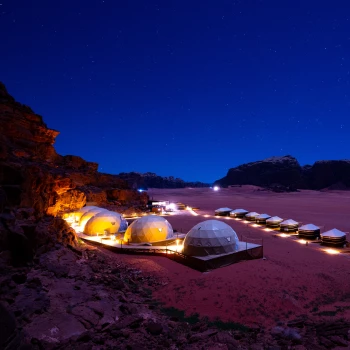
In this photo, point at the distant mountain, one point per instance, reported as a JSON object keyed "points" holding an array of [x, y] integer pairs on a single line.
{"points": [[286, 174], [152, 180]]}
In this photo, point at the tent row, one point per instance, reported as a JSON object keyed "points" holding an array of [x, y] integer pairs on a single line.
{"points": [[308, 231]]}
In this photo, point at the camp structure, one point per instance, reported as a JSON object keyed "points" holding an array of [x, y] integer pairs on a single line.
{"points": [[309, 231], [289, 225], [149, 229], [261, 219], [223, 212], [104, 223], [79, 213], [238, 213], [210, 237], [212, 244], [333, 237], [88, 215], [251, 216], [274, 222]]}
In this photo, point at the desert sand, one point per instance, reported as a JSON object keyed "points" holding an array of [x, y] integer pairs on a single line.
{"points": [[294, 280]]}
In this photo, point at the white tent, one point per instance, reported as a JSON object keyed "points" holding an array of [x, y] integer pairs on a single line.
{"points": [[274, 221], [289, 225], [210, 237], [261, 219], [238, 212], [310, 231], [79, 213], [149, 229], [105, 222], [251, 216], [333, 237], [223, 211], [88, 215]]}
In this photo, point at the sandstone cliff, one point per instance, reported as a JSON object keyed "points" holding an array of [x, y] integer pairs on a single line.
{"points": [[286, 174]]}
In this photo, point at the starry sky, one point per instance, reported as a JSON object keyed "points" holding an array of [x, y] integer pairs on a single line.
{"points": [[183, 88]]}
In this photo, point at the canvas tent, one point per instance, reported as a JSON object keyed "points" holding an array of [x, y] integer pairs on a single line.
{"points": [[309, 231], [223, 212], [261, 219], [88, 215], [274, 221], [210, 237], [289, 225], [333, 237], [251, 216], [149, 229], [103, 223], [238, 213]]}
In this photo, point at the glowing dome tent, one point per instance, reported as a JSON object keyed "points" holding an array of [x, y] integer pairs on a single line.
{"points": [[88, 215], [103, 223], [261, 219], [274, 221], [238, 213], [210, 237], [289, 225], [251, 216], [149, 229], [79, 213], [309, 231], [223, 212], [333, 237]]}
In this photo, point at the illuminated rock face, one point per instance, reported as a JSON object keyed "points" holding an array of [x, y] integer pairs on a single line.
{"points": [[210, 237], [149, 229], [105, 222]]}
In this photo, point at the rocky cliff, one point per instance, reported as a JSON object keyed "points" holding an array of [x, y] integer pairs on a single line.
{"points": [[152, 180], [286, 174], [37, 184]]}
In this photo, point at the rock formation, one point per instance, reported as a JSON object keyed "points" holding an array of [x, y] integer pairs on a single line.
{"points": [[152, 180], [282, 174]]}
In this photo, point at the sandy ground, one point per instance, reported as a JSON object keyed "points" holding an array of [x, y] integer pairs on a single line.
{"points": [[293, 281]]}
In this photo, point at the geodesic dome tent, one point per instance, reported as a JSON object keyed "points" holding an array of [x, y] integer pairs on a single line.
{"points": [[238, 213], [210, 237], [261, 219], [333, 237], [105, 222], [223, 212], [88, 215], [274, 221], [309, 231], [79, 213], [149, 229], [289, 225], [251, 216]]}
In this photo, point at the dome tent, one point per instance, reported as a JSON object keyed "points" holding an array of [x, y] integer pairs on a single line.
{"points": [[309, 231], [105, 222], [261, 219], [251, 216], [210, 237], [289, 225], [223, 212], [88, 215], [274, 221], [149, 229], [333, 237], [79, 213], [238, 213]]}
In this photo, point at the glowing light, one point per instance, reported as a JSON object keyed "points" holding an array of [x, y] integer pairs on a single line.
{"points": [[267, 229], [246, 221], [255, 225], [140, 190], [283, 235], [331, 251], [302, 241], [206, 216], [191, 211], [171, 206], [216, 188], [238, 219]]}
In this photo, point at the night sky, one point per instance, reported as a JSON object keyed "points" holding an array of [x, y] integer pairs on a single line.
{"points": [[183, 88]]}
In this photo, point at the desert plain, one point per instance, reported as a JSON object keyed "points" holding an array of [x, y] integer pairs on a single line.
{"points": [[293, 281]]}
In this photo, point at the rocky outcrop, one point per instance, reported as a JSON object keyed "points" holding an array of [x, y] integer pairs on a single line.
{"points": [[152, 180], [271, 172], [283, 174], [35, 179]]}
